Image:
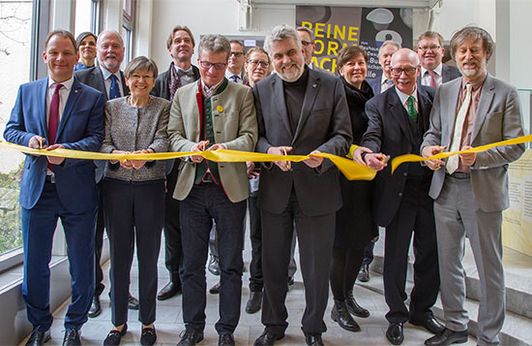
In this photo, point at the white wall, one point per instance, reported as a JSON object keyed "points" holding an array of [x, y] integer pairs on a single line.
{"points": [[208, 17]]}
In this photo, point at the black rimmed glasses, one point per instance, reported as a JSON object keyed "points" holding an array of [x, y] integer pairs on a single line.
{"points": [[409, 71], [217, 66]]}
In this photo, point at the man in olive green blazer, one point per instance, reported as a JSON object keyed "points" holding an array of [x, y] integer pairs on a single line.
{"points": [[212, 114]]}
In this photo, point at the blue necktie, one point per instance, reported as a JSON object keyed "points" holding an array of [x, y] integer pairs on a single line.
{"points": [[114, 90]]}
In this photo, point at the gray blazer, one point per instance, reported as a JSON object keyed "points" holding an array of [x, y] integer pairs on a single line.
{"points": [[324, 125], [498, 118], [131, 128]]}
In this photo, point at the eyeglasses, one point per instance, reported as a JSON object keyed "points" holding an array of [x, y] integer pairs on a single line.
{"points": [[237, 54], [306, 43], [409, 71], [217, 66], [426, 48], [262, 63]]}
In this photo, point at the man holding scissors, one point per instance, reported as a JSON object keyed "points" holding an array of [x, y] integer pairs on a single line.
{"points": [[398, 118]]}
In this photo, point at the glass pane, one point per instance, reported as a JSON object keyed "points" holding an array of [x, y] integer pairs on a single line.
{"points": [[83, 16], [15, 45]]}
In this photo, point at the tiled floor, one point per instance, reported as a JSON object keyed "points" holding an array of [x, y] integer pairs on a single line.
{"points": [[169, 320]]}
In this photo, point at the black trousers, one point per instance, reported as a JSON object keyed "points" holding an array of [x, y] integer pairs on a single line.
{"points": [[134, 212], [204, 203], [255, 234], [98, 243], [415, 214], [315, 235], [172, 229]]}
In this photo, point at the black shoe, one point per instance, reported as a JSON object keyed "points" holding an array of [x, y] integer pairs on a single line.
{"points": [[430, 323], [267, 338], [214, 266], [38, 338], [114, 336], [291, 281], [254, 302], [226, 340], [95, 309], [448, 337], [148, 336], [394, 334], [190, 338], [353, 307], [340, 315], [363, 274], [313, 340], [71, 338], [168, 291], [215, 289], [132, 303]]}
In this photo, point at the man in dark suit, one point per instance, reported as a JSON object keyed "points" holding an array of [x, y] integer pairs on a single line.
{"points": [[383, 79], [181, 72], [471, 191], [398, 118], [109, 80], [430, 51], [300, 111], [57, 112]]}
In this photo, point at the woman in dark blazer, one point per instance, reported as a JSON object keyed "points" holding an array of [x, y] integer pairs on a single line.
{"points": [[354, 222], [134, 195]]}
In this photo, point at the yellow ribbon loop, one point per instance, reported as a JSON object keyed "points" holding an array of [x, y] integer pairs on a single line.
{"points": [[352, 170], [397, 161]]}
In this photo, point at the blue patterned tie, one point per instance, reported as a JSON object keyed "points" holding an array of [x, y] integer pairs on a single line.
{"points": [[114, 90]]}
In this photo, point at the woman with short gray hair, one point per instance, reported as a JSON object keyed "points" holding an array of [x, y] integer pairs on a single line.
{"points": [[134, 195]]}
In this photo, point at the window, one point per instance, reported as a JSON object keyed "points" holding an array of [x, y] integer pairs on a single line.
{"points": [[16, 51], [128, 27]]}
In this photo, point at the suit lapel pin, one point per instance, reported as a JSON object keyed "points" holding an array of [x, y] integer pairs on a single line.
{"points": [[220, 109]]}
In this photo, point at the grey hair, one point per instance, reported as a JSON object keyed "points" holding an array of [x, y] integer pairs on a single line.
{"points": [[280, 33], [388, 43], [475, 33], [141, 63], [109, 33], [308, 31], [214, 44]]}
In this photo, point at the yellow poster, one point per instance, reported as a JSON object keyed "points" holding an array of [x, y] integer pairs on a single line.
{"points": [[517, 220]]}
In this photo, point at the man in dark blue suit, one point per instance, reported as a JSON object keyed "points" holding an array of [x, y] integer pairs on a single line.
{"points": [[57, 112], [398, 118], [383, 79]]}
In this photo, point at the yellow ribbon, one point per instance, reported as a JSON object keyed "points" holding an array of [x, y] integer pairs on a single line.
{"points": [[351, 170], [397, 161]]}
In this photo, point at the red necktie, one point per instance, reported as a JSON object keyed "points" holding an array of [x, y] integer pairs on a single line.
{"points": [[53, 120], [433, 83]]}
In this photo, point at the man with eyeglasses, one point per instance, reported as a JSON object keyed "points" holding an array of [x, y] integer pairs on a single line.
{"points": [[180, 45], [430, 51], [235, 65], [212, 114], [398, 118]]}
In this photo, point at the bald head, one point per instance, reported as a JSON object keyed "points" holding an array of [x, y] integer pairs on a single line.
{"points": [[110, 50], [404, 68], [406, 54]]}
